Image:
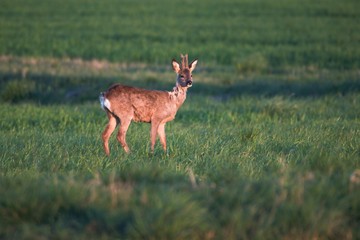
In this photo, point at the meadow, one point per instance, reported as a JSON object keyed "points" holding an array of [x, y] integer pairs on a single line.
{"points": [[266, 146], [296, 33]]}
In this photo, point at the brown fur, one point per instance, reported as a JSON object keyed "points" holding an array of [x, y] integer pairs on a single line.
{"points": [[125, 104]]}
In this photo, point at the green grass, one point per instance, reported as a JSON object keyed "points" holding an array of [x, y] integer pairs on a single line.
{"points": [[264, 168], [271, 156], [324, 34], [266, 146]]}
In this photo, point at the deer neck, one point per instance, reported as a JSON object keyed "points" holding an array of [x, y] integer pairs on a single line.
{"points": [[178, 95]]}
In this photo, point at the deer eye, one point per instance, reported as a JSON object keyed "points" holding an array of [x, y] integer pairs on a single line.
{"points": [[181, 76]]}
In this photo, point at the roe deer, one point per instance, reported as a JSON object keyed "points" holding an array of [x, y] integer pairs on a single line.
{"points": [[124, 104]]}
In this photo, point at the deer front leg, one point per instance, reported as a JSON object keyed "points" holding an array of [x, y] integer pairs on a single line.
{"points": [[110, 127], [153, 132], [121, 137], [161, 132]]}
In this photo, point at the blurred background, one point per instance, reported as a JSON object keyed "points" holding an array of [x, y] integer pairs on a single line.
{"points": [[66, 43], [242, 34]]}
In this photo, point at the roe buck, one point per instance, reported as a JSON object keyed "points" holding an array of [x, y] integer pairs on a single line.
{"points": [[124, 104]]}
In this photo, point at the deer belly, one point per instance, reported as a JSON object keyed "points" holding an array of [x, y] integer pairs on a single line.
{"points": [[142, 115]]}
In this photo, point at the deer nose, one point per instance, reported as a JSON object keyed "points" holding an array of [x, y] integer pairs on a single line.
{"points": [[189, 83]]}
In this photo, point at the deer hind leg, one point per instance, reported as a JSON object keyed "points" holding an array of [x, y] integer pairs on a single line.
{"points": [[110, 127], [161, 133], [121, 136]]}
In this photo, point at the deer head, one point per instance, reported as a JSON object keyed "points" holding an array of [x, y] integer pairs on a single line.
{"points": [[184, 76]]}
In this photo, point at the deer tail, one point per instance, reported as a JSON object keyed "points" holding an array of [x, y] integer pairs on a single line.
{"points": [[104, 102]]}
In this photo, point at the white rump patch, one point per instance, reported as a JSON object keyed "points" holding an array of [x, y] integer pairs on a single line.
{"points": [[105, 103]]}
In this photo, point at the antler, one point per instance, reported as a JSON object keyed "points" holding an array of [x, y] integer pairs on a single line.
{"points": [[184, 61]]}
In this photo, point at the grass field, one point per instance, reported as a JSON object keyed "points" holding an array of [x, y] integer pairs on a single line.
{"points": [[266, 145], [284, 33]]}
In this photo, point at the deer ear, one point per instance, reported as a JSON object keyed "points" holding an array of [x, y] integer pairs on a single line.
{"points": [[192, 65], [175, 66]]}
